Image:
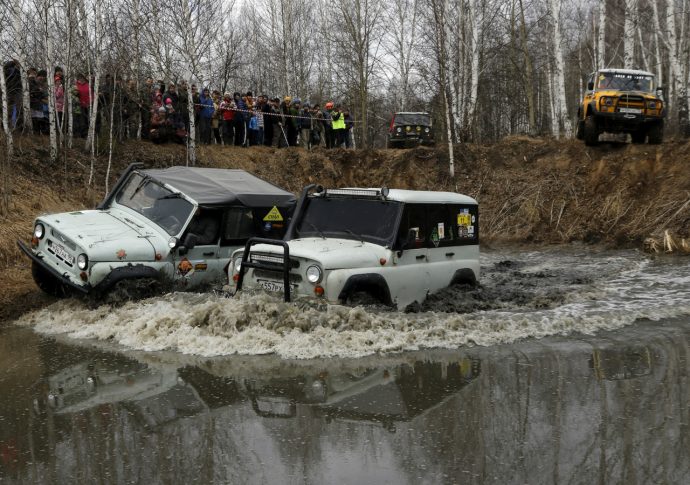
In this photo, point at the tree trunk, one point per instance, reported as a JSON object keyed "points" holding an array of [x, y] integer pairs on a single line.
{"points": [[51, 82], [601, 36], [528, 80], [19, 36], [657, 49], [560, 105], [476, 21], [110, 141], [629, 34], [5, 166], [191, 136]]}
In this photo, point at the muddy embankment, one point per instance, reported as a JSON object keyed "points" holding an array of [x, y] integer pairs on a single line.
{"points": [[531, 190]]}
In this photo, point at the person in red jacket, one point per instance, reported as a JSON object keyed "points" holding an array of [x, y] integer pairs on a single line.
{"points": [[84, 92]]}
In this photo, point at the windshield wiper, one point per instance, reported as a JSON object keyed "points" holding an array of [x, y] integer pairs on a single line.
{"points": [[316, 229], [143, 182], [174, 195], [355, 235]]}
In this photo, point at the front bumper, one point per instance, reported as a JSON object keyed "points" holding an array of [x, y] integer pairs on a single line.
{"points": [[62, 278], [627, 119]]}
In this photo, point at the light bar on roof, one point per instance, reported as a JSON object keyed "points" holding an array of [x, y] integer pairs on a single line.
{"points": [[354, 192]]}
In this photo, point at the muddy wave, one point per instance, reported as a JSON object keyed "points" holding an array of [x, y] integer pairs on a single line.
{"points": [[603, 293]]}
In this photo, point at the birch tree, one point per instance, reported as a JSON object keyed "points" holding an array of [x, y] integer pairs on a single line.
{"points": [[560, 103], [19, 36]]}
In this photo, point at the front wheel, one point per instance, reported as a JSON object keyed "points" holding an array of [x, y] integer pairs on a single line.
{"points": [[591, 131], [48, 283], [580, 132], [639, 136], [656, 134]]}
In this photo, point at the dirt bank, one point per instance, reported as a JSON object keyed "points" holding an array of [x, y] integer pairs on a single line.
{"points": [[530, 190]]}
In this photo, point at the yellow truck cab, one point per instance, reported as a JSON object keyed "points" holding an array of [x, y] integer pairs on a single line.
{"points": [[622, 101]]}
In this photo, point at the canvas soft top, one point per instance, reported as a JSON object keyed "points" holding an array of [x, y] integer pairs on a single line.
{"points": [[222, 187]]}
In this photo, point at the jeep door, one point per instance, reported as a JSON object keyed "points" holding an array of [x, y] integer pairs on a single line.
{"points": [[453, 242], [410, 279], [202, 264]]}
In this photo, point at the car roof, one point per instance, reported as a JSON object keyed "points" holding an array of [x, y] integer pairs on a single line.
{"points": [[634, 72], [410, 196], [222, 187]]}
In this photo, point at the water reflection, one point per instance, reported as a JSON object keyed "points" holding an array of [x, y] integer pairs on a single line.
{"points": [[600, 409]]}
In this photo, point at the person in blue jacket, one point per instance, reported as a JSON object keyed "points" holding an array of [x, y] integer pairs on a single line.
{"points": [[205, 116]]}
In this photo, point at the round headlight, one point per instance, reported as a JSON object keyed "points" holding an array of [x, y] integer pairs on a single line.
{"points": [[608, 101], [651, 105], [426, 130], [314, 274], [82, 261], [238, 265], [39, 230], [172, 242], [399, 129]]}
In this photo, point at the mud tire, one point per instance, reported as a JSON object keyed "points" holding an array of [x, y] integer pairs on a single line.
{"points": [[48, 283], [656, 134], [132, 290], [591, 131], [639, 136], [580, 132]]}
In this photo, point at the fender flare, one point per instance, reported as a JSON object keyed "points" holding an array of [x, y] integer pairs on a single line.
{"points": [[129, 272], [367, 280], [464, 276]]}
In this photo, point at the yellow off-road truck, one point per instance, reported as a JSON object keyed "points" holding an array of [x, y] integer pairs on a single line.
{"points": [[622, 101]]}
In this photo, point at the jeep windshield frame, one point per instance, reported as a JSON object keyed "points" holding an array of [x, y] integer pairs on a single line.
{"points": [[372, 220], [622, 81], [417, 119], [152, 200]]}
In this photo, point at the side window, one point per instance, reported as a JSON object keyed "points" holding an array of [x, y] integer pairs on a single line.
{"points": [[413, 217], [238, 225], [440, 230], [464, 221]]}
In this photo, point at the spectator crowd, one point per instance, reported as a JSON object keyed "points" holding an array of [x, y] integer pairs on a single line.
{"points": [[162, 112]]}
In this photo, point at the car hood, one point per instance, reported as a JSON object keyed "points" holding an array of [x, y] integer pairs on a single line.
{"points": [[107, 235], [332, 253]]}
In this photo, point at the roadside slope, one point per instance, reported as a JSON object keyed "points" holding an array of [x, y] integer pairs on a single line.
{"points": [[531, 190]]}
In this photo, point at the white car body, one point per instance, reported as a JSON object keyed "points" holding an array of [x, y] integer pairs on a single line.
{"points": [[134, 235], [395, 275]]}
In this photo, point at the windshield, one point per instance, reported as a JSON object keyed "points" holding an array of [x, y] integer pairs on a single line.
{"points": [[370, 220], [412, 119], [625, 82], [153, 201]]}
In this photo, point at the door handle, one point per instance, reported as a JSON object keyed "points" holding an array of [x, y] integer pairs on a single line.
{"points": [[209, 253], [450, 254], [421, 256]]}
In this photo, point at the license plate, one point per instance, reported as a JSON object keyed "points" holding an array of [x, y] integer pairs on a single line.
{"points": [[271, 285], [636, 111], [62, 253]]}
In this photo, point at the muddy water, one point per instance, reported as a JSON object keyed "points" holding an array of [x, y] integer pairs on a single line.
{"points": [[528, 294], [565, 366], [611, 408]]}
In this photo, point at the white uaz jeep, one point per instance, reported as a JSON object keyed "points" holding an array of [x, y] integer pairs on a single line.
{"points": [[178, 225], [395, 245]]}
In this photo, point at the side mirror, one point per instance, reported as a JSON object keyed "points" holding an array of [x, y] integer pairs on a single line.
{"points": [[190, 241], [590, 86], [659, 92]]}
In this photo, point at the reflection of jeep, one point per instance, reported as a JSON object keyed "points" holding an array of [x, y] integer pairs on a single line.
{"points": [[178, 224], [622, 101], [396, 246], [410, 130]]}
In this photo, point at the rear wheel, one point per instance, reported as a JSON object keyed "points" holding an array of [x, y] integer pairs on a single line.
{"points": [[48, 283], [656, 134], [639, 136], [591, 129]]}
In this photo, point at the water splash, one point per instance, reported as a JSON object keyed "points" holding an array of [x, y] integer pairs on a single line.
{"points": [[537, 294]]}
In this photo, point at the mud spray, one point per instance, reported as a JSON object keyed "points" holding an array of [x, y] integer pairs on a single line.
{"points": [[522, 295]]}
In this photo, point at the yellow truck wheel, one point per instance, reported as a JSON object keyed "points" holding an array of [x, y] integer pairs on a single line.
{"points": [[591, 131]]}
